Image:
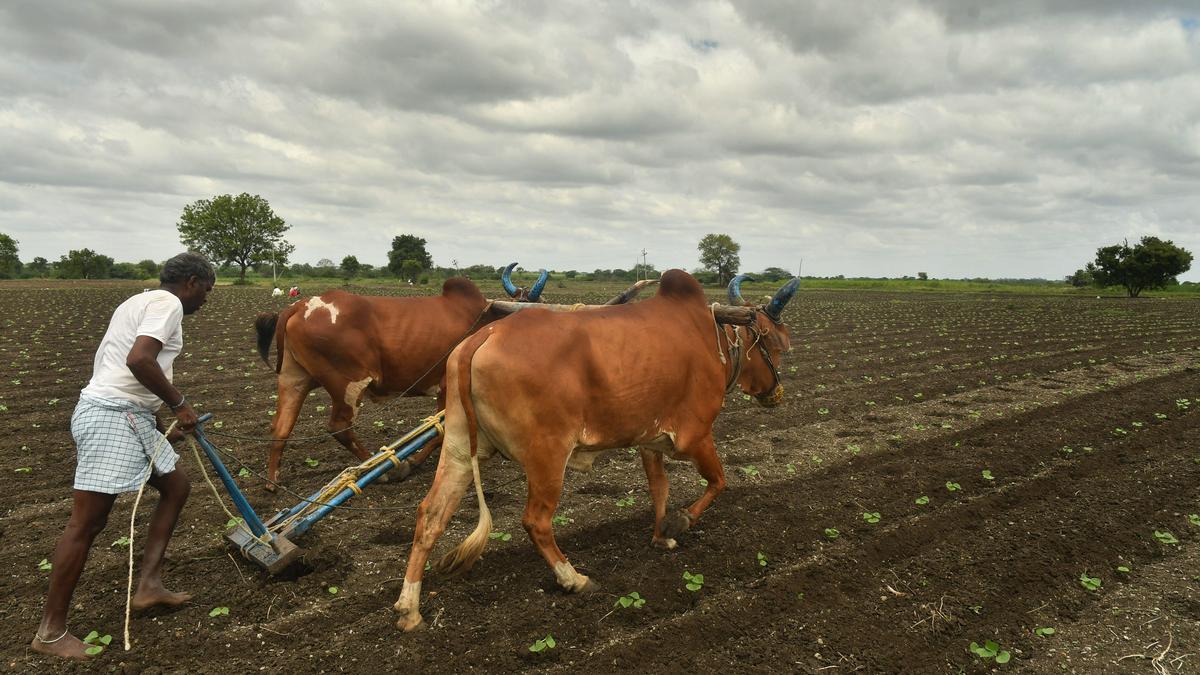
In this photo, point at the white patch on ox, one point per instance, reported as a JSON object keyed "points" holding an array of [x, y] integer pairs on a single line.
{"points": [[354, 392], [317, 303], [568, 578]]}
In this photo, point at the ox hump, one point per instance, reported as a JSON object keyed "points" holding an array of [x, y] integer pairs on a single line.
{"points": [[679, 284], [317, 303]]}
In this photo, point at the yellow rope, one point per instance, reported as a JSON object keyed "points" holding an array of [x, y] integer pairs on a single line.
{"points": [[132, 519]]}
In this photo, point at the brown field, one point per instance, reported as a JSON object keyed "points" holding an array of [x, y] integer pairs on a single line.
{"points": [[1070, 428]]}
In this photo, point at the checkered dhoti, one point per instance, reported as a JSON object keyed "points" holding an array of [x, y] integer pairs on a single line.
{"points": [[115, 441]]}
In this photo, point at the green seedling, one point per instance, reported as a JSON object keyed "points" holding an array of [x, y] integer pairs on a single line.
{"points": [[694, 581], [218, 611], [1090, 583], [233, 522], [24, 469], [990, 650], [543, 644], [243, 472], [832, 533], [626, 501], [1123, 569], [871, 517], [97, 641], [378, 424], [561, 520], [922, 500], [123, 541], [333, 590], [1043, 632], [502, 536], [822, 411], [952, 486], [45, 565], [1160, 416], [218, 424], [311, 462], [791, 468], [1194, 518], [750, 470], [1165, 537], [762, 559], [632, 600], [987, 475], [854, 448]]}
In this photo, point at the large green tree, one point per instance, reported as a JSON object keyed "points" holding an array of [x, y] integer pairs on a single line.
{"points": [[1152, 263], [85, 264], [719, 254], [408, 248], [241, 230], [10, 264], [350, 266]]}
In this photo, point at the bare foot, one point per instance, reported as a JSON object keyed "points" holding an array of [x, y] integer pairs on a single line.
{"points": [[69, 647], [149, 595]]}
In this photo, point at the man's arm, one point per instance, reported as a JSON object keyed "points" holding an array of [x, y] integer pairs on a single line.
{"points": [[143, 363]]}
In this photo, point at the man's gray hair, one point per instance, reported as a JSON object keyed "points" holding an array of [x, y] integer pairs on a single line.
{"points": [[184, 266]]}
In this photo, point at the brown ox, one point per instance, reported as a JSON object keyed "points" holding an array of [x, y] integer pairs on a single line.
{"points": [[356, 345], [552, 390]]}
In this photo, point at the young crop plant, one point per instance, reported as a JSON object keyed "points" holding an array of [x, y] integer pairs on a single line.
{"points": [[1165, 537], [543, 644], [987, 474], [922, 500], [311, 462], [1043, 632], [218, 611], [45, 565], [871, 516], [832, 533], [626, 501], [1090, 583], [632, 600], [97, 641], [1194, 519], [990, 650], [502, 536], [693, 582], [762, 559], [952, 486]]}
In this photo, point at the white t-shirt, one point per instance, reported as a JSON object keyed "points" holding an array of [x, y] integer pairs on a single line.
{"points": [[158, 314]]}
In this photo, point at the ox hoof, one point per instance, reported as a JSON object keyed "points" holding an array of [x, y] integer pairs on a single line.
{"points": [[401, 472], [269, 487], [664, 542], [676, 524], [410, 624], [588, 586]]}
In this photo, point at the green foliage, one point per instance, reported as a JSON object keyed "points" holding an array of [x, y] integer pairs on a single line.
{"points": [[1043, 632], [241, 230], [632, 600], [762, 559], [408, 256], [502, 536], [773, 274], [45, 565], [97, 641], [1152, 263], [694, 582], [311, 462], [626, 501], [923, 500], [218, 611], [1090, 583], [719, 254], [543, 644], [952, 486], [123, 541], [871, 517], [987, 474], [10, 264], [350, 266], [990, 650], [333, 590], [1165, 537], [1123, 569], [84, 264], [1194, 519], [832, 533]]}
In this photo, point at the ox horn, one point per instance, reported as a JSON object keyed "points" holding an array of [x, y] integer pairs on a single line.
{"points": [[782, 296], [536, 291], [735, 289], [508, 284]]}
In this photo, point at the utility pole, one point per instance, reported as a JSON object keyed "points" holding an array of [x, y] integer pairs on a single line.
{"points": [[644, 265]]}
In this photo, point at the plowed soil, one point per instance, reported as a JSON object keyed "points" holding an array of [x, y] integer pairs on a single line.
{"points": [[946, 469]]}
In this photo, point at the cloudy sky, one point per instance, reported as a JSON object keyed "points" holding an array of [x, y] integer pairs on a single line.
{"points": [[953, 137]]}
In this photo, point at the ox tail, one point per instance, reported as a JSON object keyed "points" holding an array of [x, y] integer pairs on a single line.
{"points": [[466, 554], [273, 326]]}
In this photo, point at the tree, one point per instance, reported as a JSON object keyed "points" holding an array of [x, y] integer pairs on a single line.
{"points": [[38, 267], [84, 264], [1080, 279], [408, 248], [923, 276], [241, 230], [719, 254], [350, 266], [1151, 264], [774, 274], [148, 269], [324, 262], [10, 264]]}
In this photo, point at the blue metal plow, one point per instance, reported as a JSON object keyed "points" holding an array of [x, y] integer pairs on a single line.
{"points": [[268, 544]]}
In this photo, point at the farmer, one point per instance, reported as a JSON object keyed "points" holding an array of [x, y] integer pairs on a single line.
{"points": [[118, 437]]}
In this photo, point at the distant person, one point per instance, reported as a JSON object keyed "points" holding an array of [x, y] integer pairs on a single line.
{"points": [[277, 292], [119, 442], [294, 292]]}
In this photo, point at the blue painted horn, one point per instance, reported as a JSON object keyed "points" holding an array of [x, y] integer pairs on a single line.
{"points": [[508, 284], [735, 289], [536, 291], [782, 296]]}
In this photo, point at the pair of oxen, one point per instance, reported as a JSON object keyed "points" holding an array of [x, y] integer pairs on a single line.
{"points": [[544, 387]]}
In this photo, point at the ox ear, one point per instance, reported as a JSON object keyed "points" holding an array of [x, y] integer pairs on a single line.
{"points": [[774, 308], [507, 282], [735, 289], [536, 291]]}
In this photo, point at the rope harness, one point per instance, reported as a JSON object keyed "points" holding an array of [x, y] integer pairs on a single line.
{"points": [[736, 351]]}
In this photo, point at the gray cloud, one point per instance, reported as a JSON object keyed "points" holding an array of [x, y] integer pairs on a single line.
{"points": [[956, 138]]}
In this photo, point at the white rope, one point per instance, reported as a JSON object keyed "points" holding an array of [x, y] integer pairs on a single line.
{"points": [[132, 518]]}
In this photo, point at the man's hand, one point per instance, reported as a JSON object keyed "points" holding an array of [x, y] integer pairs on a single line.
{"points": [[176, 435], [187, 418]]}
